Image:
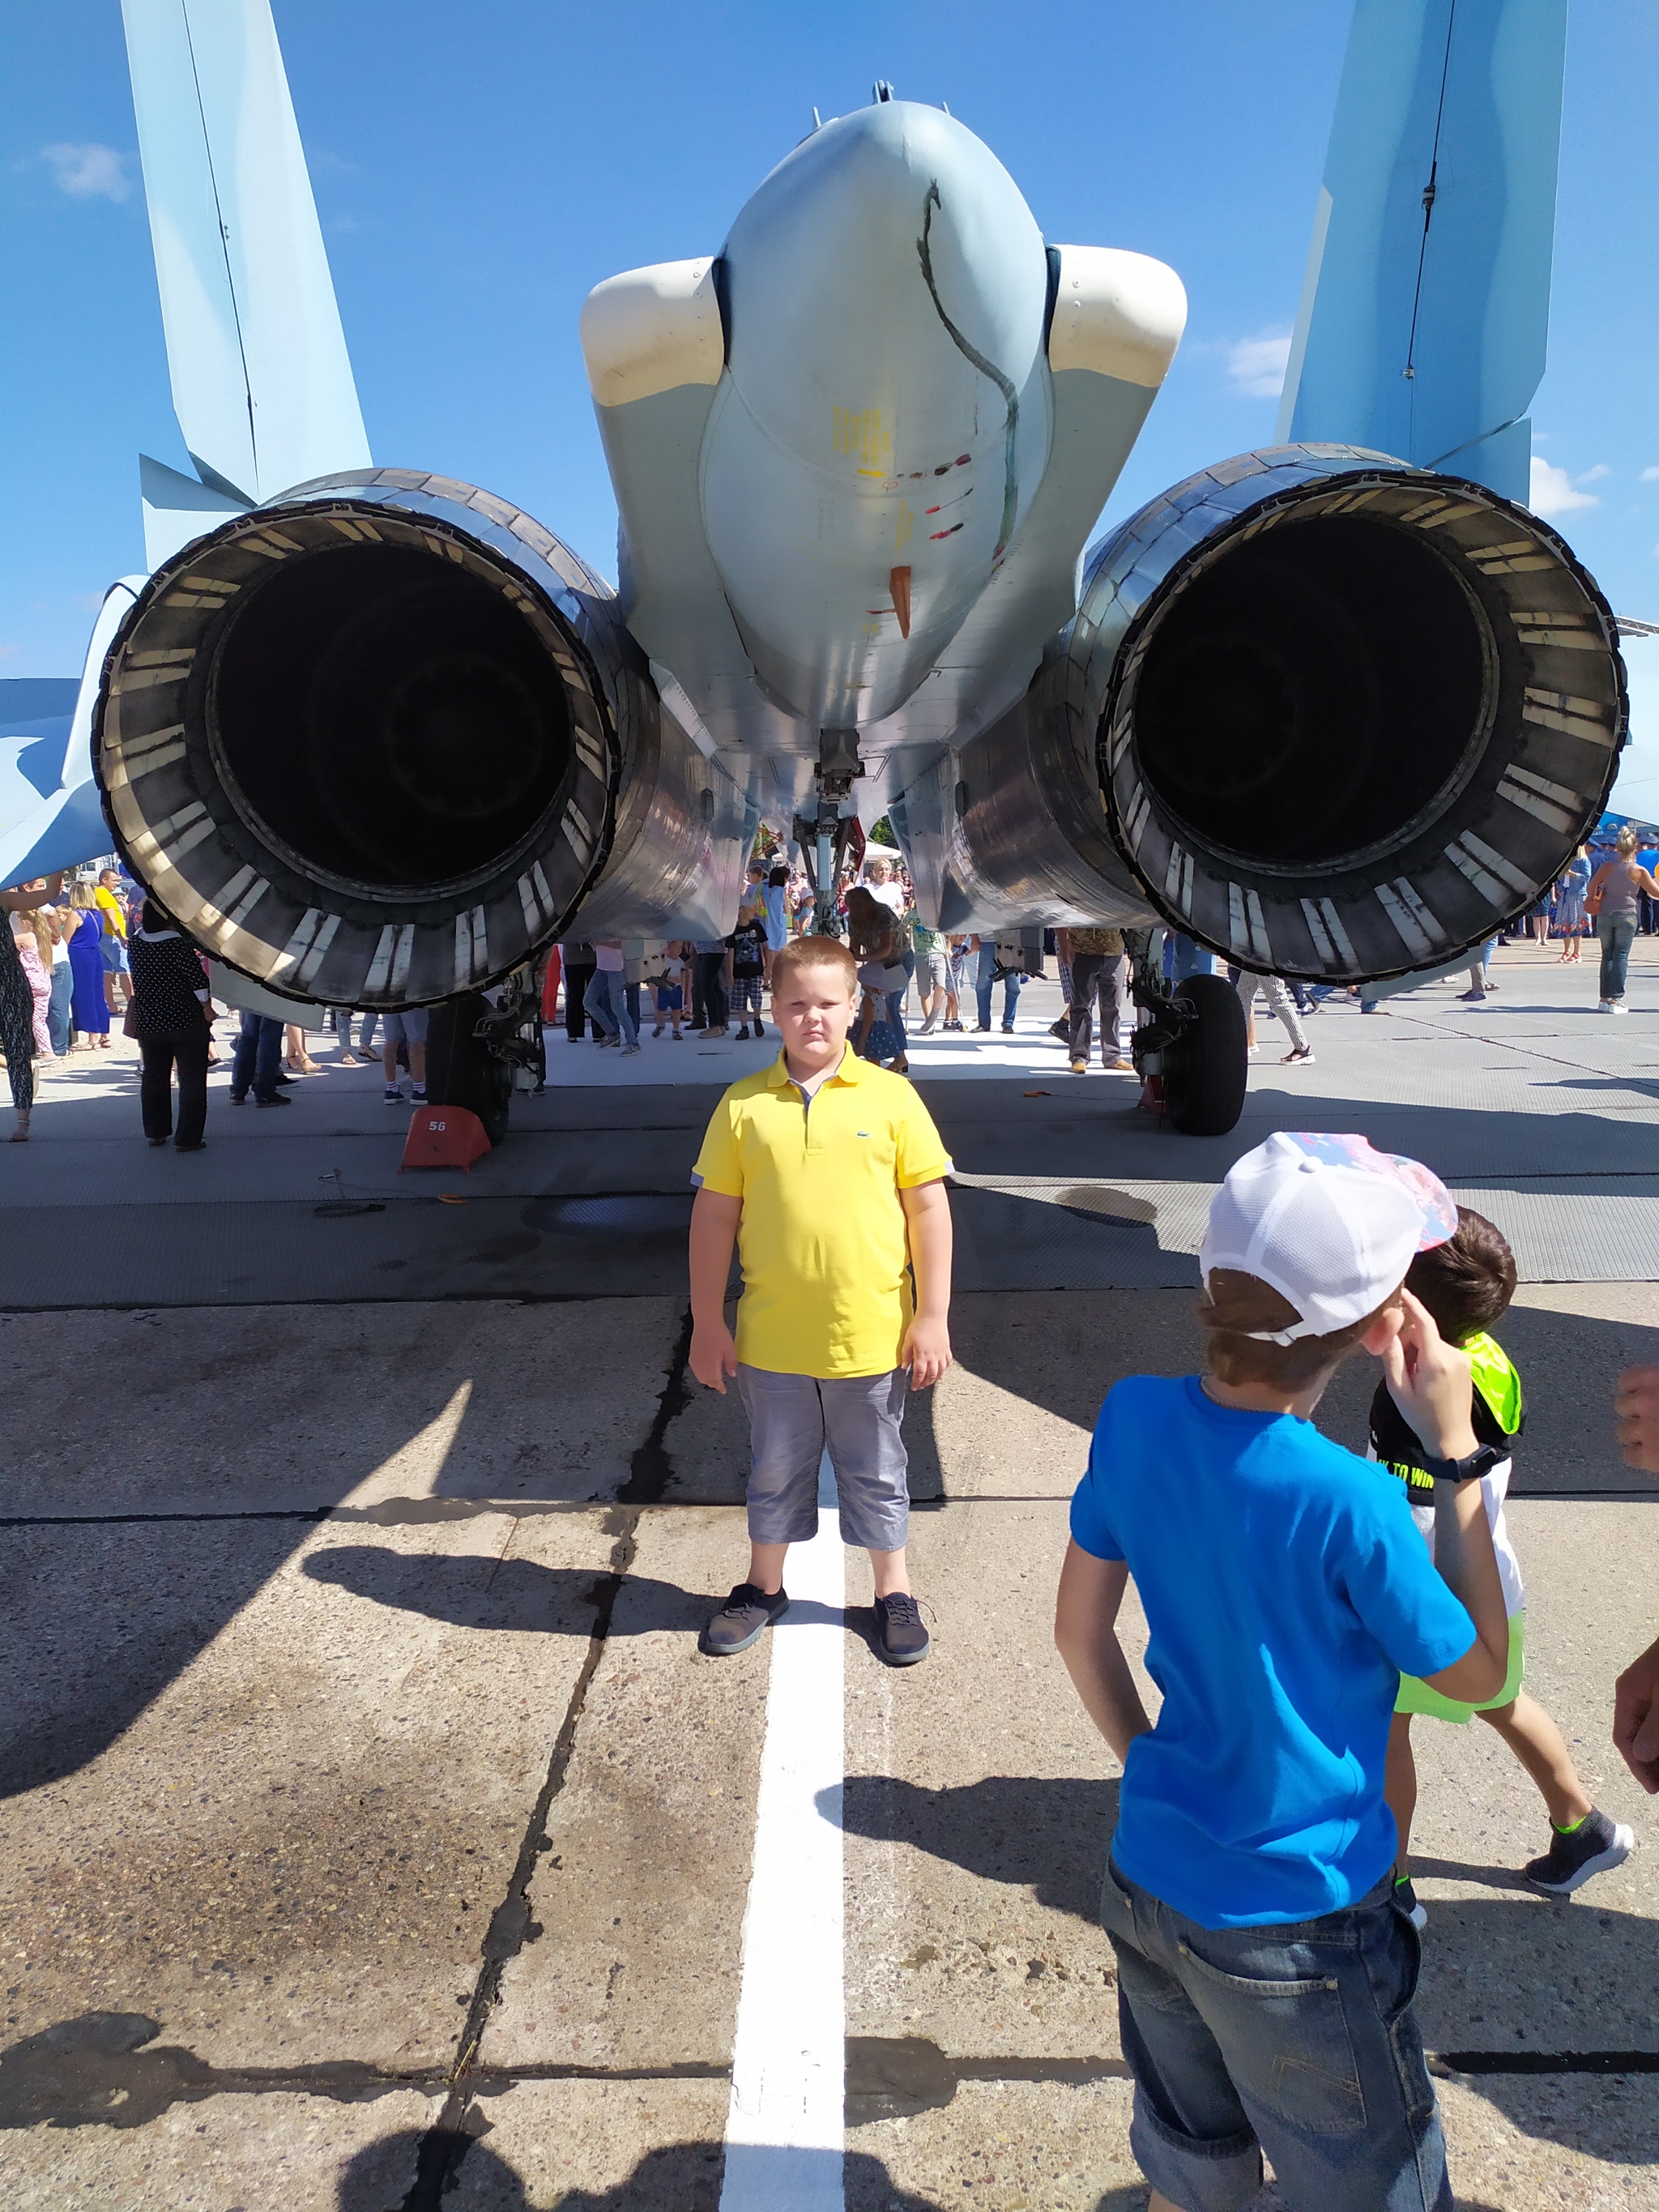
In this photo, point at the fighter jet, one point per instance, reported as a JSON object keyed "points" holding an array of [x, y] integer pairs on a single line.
{"points": [[1336, 709]]}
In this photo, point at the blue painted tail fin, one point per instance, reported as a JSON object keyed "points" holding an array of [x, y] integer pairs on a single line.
{"points": [[262, 382], [1424, 312]]}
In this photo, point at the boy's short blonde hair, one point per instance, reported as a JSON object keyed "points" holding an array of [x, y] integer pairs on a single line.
{"points": [[1233, 1310], [813, 953]]}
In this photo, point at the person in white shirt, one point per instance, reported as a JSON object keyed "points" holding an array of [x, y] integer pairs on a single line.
{"points": [[882, 884]]}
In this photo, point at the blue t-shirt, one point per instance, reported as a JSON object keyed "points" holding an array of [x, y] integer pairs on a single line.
{"points": [[1286, 1589]]}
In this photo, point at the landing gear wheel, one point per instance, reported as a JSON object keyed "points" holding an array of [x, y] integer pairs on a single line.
{"points": [[1205, 1070], [462, 1071]]}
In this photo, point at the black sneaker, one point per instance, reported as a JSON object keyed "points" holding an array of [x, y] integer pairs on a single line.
{"points": [[277, 1098], [1592, 1847], [741, 1619], [900, 1637], [759, 1031], [744, 1032], [1406, 1897]]}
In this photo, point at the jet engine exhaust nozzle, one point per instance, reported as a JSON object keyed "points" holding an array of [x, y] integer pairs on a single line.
{"points": [[363, 743], [1352, 717]]}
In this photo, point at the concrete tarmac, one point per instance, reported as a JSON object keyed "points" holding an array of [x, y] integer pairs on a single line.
{"points": [[373, 1836]]}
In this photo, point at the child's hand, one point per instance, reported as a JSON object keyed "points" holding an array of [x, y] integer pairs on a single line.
{"points": [[1429, 1381], [926, 1351], [713, 1356], [1636, 1717], [1636, 1408]]}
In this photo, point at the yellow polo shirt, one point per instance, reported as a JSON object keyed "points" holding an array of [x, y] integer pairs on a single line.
{"points": [[823, 1240]]}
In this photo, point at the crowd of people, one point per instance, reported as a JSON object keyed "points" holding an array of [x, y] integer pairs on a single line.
{"points": [[67, 974], [80, 956], [912, 979]]}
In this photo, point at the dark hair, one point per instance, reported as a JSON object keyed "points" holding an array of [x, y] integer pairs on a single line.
{"points": [[154, 919], [778, 878], [1235, 1306], [1467, 1282]]}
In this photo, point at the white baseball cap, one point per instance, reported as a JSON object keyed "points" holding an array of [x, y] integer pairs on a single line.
{"points": [[1329, 1223]]}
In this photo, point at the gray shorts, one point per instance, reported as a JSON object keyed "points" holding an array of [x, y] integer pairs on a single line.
{"points": [[793, 1420], [409, 1026]]}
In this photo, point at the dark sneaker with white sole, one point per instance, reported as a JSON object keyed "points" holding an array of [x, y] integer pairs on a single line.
{"points": [[1596, 1843], [900, 1637], [740, 1621]]}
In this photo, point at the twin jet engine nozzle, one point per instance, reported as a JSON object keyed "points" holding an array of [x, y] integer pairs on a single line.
{"points": [[377, 741]]}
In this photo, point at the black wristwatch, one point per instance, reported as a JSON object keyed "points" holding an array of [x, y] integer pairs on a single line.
{"points": [[1479, 1462]]}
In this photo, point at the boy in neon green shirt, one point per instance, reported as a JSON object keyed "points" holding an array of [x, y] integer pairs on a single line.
{"points": [[1466, 1284]]}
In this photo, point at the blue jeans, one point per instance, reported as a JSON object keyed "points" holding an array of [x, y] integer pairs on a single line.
{"points": [[1614, 932], [258, 1056], [58, 1026], [607, 1001], [1295, 2039], [983, 984]]}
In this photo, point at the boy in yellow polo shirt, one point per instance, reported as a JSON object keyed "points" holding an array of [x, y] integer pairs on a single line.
{"points": [[829, 1174]]}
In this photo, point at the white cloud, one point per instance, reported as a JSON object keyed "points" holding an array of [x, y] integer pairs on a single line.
{"points": [[1256, 365], [1651, 476], [88, 173], [1595, 474], [1553, 491]]}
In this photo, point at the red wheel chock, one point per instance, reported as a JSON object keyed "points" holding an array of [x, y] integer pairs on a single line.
{"points": [[444, 1137]]}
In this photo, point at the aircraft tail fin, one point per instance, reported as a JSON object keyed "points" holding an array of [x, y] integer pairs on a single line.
{"points": [[1425, 313], [262, 382]]}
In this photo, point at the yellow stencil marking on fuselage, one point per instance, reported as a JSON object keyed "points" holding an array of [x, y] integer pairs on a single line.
{"points": [[858, 432], [907, 523]]}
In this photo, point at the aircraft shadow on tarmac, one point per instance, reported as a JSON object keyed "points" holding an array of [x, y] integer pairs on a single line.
{"points": [[1003, 1137]]}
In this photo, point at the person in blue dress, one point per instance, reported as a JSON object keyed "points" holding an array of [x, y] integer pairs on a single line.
{"points": [[89, 1007]]}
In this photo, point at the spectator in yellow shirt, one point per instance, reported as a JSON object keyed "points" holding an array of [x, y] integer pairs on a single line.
{"points": [[117, 968]]}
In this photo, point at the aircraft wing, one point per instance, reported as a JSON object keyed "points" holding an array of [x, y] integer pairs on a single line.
{"points": [[1424, 310], [50, 816]]}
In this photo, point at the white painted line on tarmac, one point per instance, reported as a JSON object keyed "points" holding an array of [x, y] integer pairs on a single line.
{"points": [[784, 2126]]}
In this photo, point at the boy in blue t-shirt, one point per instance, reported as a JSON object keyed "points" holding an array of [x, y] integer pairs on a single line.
{"points": [[1264, 1973]]}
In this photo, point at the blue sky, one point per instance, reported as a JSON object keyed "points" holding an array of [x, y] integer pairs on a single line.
{"points": [[479, 168]]}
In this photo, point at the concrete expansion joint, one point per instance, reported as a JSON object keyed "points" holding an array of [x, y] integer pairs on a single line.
{"points": [[446, 2142]]}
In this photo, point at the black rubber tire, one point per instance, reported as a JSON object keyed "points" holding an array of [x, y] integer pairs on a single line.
{"points": [[1206, 1074], [459, 1072]]}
